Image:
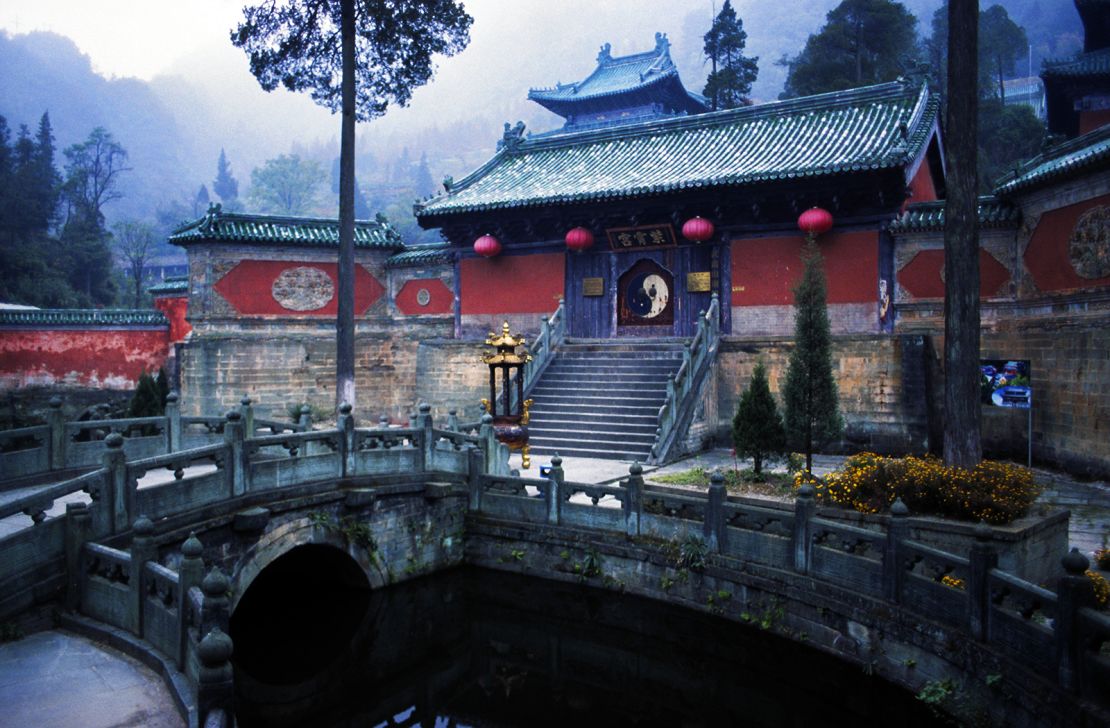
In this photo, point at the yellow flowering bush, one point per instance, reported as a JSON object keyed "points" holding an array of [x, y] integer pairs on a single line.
{"points": [[1102, 558], [1102, 587], [991, 491]]}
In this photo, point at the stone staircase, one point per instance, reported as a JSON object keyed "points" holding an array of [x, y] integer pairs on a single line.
{"points": [[602, 400]]}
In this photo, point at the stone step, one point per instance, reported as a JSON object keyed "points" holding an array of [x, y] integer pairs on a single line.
{"points": [[588, 450], [611, 424], [597, 397], [536, 434], [602, 416], [598, 408], [556, 385]]}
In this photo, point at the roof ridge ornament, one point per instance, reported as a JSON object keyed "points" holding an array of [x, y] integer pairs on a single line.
{"points": [[605, 54], [662, 45], [210, 217], [512, 138]]}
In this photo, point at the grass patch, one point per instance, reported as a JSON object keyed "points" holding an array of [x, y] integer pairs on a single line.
{"points": [[736, 481]]}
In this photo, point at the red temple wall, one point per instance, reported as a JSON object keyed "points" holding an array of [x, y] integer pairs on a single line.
{"points": [[922, 187], [248, 287], [175, 309], [1047, 257], [922, 277], [765, 270], [511, 284], [110, 359], [1091, 120], [440, 298]]}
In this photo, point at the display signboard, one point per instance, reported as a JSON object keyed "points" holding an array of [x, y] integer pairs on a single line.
{"points": [[1006, 383]]}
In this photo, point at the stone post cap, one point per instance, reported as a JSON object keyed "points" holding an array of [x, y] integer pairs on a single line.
{"points": [[215, 649], [345, 408], [192, 548], [807, 491], [899, 509], [215, 583], [1075, 563], [246, 400], [233, 415], [487, 419], [172, 397], [305, 409], [143, 526], [55, 402], [425, 408], [635, 468], [716, 479], [114, 441], [556, 461]]}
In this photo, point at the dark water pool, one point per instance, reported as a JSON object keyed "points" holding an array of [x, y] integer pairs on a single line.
{"points": [[477, 648]]}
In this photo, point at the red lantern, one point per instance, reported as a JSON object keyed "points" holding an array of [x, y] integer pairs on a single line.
{"points": [[579, 239], [487, 246], [815, 221], [697, 229]]}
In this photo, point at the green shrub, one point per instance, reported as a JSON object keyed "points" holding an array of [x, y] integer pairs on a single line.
{"points": [[757, 427]]}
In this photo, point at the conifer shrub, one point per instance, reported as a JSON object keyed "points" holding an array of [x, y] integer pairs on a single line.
{"points": [[757, 430], [994, 492]]}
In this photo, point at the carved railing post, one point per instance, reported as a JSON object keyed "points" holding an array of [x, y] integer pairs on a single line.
{"points": [[634, 500], [981, 560], [475, 475], [555, 491], [190, 573], [237, 463], [805, 506], [345, 423], [714, 527], [304, 422], [247, 411], [173, 422], [897, 530], [414, 420], [1073, 592], [214, 607], [488, 438], [427, 439], [142, 551], [114, 512], [452, 420], [215, 683], [56, 419], [77, 532]]}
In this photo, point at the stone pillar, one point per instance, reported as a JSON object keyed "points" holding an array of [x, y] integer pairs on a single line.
{"points": [[713, 530], [173, 423], [634, 501], [892, 561], [238, 475], [805, 505], [57, 444], [1073, 592], [247, 412], [427, 438], [981, 560], [214, 608], [142, 551], [113, 513], [304, 422], [452, 420], [345, 423], [475, 476], [554, 491], [190, 573], [489, 443], [77, 532], [215, 683]]}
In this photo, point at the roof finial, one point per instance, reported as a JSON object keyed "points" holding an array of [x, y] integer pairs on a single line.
{"points": [[605, 54], [662, 45]]}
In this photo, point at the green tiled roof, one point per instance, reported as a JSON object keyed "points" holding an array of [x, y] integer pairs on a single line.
{"points": [[1085, 153], [170, 286], [614, 75], [236, 227], [82, 317], [1095, 63], [420, 255], [876, 127], [929, 216]]}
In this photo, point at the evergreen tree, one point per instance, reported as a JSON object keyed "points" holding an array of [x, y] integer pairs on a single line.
{"points": [[225, 185], [1002, 44], [389, 45], [862, 42], [45, 180], [287, 185], [757, 430], [200, 202], [730, 81], [812, 415], [422, 180]]}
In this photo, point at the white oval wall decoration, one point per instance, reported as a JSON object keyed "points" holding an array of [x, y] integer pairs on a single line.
{"points": [[423, 297], [303, 289]]}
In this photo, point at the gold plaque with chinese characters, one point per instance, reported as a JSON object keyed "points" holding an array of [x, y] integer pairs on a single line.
{"points": [[641, 238], [698, 282], [593, 286]]}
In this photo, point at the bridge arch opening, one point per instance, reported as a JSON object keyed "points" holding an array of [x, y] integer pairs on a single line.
{"points": [[299, 615]]}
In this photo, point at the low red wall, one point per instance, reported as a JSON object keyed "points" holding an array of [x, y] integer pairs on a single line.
{"points": [[765, 270], [104, 358], [1048, 256], [249, 287], [175, 309], [922, 277], [511, 283]]}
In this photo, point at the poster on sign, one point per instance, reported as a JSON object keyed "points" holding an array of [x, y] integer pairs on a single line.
{"points": [[1006, 383]]}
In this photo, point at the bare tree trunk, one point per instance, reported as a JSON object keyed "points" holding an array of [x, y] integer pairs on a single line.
{"points": [[962, 445], [345, 322]]}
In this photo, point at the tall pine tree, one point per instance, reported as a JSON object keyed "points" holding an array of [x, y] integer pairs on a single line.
{"points": [[730, 81], [810, 393], [225, 185]]}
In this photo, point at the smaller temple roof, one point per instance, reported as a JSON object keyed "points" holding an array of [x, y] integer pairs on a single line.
{"points": [[1087, 153], [929, 216], [173, 286], [1081, 65], [237, 227], [872, 128], [417, 255], [82, 317]]}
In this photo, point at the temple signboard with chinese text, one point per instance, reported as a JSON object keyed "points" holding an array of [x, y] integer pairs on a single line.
{"points": [[641, 238]]}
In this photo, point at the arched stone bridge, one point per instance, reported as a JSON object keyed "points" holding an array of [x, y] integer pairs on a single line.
{"points": [[159, 569]]}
